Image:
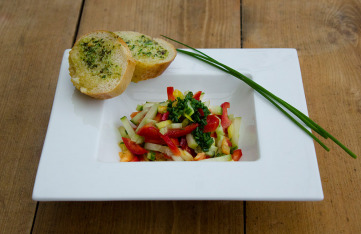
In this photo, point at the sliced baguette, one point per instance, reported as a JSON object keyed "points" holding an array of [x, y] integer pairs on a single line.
{"points": [[101, 65], [152, 55]]}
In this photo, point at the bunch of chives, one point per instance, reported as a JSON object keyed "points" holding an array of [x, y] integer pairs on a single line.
{"points": [[276, 101]]}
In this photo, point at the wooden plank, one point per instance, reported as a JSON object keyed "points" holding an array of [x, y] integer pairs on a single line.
{"points": [[202, 24], [34, 35], [326, 34], [140, 217]]}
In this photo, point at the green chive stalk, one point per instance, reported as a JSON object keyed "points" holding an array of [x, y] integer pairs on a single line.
{"points": [[276, 101]]}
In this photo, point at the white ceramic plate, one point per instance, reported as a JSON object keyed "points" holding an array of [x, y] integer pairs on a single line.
{"points": [[80, 161]]}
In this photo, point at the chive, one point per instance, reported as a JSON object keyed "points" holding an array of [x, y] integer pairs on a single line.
{"points": [[276, 101]]}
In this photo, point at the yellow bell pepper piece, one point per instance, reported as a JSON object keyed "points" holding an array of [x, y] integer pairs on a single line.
{"points": [[126, 156], [177, 93]]}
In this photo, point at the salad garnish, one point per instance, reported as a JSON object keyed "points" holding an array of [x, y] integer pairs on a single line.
{"points": [[182, 128]]}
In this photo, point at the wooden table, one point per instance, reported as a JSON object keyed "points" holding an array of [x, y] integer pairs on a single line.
{"points": [[327, 35]]}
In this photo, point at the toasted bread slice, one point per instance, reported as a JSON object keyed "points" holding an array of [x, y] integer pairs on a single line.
{"points": [[101, 65], [153, 55]]}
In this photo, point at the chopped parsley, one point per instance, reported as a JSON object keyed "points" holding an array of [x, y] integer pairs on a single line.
{"points": [[145, 47], [189, 108], [203, 139], [96, 55]]}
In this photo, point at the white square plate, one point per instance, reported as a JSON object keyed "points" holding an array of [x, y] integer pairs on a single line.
{"points": [[80, 160]]}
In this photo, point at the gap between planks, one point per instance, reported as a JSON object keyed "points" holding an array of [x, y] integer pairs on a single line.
{"points": [[73, 42]]}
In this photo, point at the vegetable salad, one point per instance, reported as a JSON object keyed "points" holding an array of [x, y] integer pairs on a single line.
{"points": [[182, 128]]}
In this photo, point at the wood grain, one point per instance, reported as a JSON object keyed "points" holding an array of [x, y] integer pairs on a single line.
{"points": [[327, 35], [202, 24], [34, 35], [140, 217]]}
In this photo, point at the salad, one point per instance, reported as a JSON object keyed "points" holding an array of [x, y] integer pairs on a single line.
{"points": [[182, 128]]}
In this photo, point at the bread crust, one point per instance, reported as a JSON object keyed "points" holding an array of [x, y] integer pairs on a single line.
{"points": [[148, 70], [145, 72], [123, 80]]}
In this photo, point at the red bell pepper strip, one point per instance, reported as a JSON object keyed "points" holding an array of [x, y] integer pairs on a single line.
{"points": [[197, 95], [149, 131], [225, 122], [212, 123], [134, 147], [135, 159], [165, 116], [170, 91], [175, 141], [237, 154], [174, 133], [158, 141], [171, 145], [158, 117], [151, 134]]}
